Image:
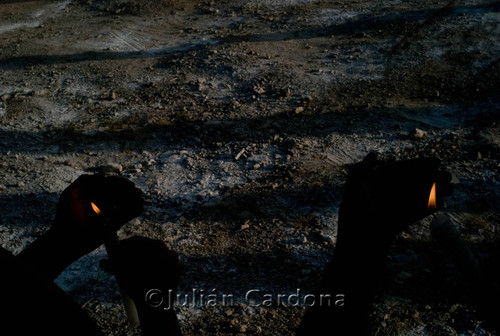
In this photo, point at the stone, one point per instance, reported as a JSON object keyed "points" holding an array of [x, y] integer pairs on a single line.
{"points": [[419, 134], [299, 110]]}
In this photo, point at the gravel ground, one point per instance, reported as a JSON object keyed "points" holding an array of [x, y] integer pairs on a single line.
{"points": [[238, 119]]}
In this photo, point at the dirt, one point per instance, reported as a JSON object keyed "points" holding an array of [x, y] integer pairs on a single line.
{"points": [[238, 120]]}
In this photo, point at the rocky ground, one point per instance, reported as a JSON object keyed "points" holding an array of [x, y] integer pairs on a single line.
{"points": [[237, 119]]}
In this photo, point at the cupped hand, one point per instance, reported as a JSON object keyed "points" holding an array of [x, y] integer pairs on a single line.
{"points": [[382, 198], [116, 198]]}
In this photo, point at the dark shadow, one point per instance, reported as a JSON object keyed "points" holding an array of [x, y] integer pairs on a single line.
{"points": [[266, 204], [368, 22], [199, 134], [22, 61], [204, 134]]}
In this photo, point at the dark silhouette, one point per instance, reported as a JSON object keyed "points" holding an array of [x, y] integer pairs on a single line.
{"points": [[32, 303], [380, 200]]}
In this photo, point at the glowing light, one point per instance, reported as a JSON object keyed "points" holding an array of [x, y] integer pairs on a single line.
{"points": [[432, 198], [95, 208]]}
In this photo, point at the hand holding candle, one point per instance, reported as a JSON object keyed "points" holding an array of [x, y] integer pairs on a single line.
{"points": [[111, 243], [380, 199], [383, 198], [140, 265], [77, 228], [115, 196]]}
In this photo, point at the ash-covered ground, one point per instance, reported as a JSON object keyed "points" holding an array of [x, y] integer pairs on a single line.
{"points": [[237, 119]]}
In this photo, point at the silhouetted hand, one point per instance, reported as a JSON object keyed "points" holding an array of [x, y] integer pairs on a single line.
{"points": [[149, 273], [116, 197], [383, 198], [78, 229]]}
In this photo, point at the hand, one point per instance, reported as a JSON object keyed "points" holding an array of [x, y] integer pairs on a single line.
{"points": [[77, 229], [143, 265], [383, 198], [380, 199], [116, 197]]}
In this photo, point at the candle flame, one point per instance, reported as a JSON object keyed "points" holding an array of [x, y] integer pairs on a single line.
{"points": [[95, 208], [432, 198]]}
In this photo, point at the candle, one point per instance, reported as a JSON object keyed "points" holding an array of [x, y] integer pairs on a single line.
{"points": [[110, 243]]}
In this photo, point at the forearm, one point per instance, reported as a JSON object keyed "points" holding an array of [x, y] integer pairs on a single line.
{"points": [[355, 284], [354, 273], [355, 278], [51, 253]]}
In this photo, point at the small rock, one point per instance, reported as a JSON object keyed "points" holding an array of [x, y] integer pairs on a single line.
{"points": [[238, 156], [245, 226], [228, 312], [243, 328], [299, 109], [21, 184], [259, 90], [6, 97], [419, 134], [113, 95], [2, 187]]}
